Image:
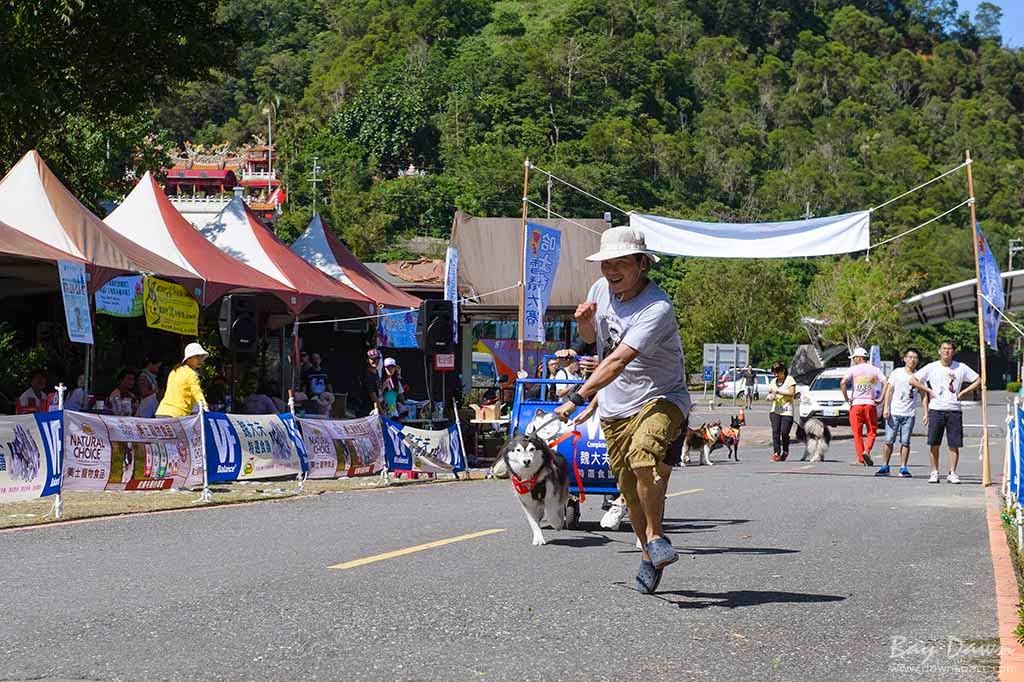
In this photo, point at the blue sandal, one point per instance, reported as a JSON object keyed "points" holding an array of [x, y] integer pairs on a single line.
{"points": [[662, 553], [648, 578]]}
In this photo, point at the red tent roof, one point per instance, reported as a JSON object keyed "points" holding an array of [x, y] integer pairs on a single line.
{"points": [[239, 233], [34, 202], [318, 246], [147, 217]]}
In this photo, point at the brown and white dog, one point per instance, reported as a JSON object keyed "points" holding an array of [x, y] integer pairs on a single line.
{"points": [[701, 440], [540, 477]]}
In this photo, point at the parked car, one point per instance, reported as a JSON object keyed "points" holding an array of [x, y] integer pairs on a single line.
{"points": [[824, 400], [725, 387], [485, 371]]}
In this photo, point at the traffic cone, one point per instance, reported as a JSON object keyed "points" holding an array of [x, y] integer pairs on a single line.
{"points": [[742, 416]]}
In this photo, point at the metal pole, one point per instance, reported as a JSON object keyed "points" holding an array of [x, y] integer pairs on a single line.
{"points": [[522, 255], [986, 464], [207, 495]]}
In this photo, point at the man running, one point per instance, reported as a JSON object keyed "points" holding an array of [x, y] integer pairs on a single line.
{"points": [[941, 383], [865, 377], [642, 384], [899, 408]]}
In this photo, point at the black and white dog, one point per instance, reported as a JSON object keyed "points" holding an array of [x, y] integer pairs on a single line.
{"points": [[815, 437], [540, 477]]}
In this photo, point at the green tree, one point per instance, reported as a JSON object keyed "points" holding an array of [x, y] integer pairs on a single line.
{"points": [[744, 301], [858, 300]]}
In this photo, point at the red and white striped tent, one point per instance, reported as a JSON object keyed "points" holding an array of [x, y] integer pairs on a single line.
{"points": [[147, 217], [239, 233], [319, 247], [34, 202]]}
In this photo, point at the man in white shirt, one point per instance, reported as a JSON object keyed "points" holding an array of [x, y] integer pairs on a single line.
{"points": [[899, 409], [942, 385], [569, 371], [641, 382]]}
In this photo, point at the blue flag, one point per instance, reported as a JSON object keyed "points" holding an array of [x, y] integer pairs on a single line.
{"points": [[540, 263], [991, 283]]}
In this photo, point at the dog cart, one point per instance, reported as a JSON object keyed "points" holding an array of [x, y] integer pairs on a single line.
{"points": [[584, 448]]}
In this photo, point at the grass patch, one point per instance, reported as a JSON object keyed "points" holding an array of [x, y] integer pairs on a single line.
{"points": [[82, 505]]}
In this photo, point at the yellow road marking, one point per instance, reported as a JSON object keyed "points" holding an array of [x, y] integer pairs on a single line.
{"points": [[418, 548], [686, 492], [806, 466]]}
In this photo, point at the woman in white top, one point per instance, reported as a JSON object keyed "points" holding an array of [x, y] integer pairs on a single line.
{"points": [[781, 392]]}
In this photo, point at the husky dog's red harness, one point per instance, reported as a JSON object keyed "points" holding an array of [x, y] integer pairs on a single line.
{"points": [[524, 487]]}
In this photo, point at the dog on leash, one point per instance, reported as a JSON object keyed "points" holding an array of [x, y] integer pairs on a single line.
{"points": [[816, 438], [701, 440], [540, 477], [730, 438]]}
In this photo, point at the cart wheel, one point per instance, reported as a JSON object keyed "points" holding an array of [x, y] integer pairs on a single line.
{"points": [[572, 515]]}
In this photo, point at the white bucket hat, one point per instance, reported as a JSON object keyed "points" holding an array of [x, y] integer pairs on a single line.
{"points": [[617, 242], [194, 349], [859, 352]]}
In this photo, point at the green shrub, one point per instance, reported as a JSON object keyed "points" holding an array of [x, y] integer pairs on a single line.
{"points": [[1013, 386]]}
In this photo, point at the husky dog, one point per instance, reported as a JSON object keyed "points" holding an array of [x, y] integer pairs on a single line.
{"points": [[730, 438], [540, 477], [816, 438], [701, 440]]}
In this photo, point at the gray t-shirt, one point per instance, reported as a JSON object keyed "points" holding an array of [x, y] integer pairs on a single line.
{"points": [[647, 324]]}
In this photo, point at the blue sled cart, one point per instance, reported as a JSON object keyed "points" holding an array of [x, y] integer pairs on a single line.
{"points": [[585, 449]]}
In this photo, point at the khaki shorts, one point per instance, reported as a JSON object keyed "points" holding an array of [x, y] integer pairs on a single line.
{"points": [[642, 440]]}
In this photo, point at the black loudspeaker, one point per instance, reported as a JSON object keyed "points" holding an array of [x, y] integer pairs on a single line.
{"points": [[237, 322], [434, 327]]}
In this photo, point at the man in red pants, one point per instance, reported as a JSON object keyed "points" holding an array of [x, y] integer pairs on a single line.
{"points": [[865, 378]]}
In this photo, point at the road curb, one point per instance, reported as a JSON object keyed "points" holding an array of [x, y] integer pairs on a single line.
{"points": [[1011, 657]]}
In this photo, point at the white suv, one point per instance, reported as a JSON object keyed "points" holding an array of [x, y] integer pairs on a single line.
{"points": [[824, 401]]}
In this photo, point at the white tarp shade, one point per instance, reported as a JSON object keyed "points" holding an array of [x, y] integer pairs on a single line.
{"points": [[794, 239], [959, 301]]}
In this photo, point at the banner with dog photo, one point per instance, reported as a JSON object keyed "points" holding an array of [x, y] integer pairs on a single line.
{"points": [[30, 452], [128, 453], [341, 448], [411, 449], [251, 447]]}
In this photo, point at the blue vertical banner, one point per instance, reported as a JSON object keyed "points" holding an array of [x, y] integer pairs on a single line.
{"points": [[451, 286], [76, 301], [991, 283], [540, 263]]}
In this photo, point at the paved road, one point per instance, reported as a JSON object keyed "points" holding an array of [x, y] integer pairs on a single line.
{"points": [[789, 572]]}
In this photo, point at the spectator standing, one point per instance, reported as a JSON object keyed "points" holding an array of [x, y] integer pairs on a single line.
{"points": [[942, 385], [864, 377], [184, 394], [315, 379], [569, 372], [749, 385], [147, 394], [151, 371], [899, 409], [781, 392], [370, 387], [391, 386]]}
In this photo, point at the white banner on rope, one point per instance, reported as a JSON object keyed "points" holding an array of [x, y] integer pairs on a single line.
{"points": [[794, 239]]}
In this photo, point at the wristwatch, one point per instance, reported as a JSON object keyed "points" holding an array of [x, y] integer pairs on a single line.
{"points": [[575, 398]]}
